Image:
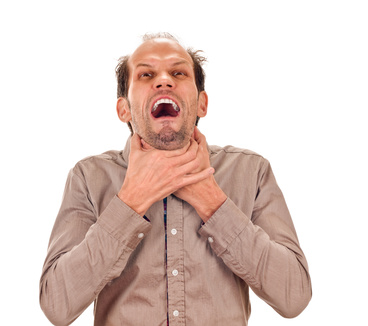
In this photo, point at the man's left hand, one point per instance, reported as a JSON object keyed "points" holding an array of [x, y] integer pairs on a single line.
{"points": [[205, 196]]}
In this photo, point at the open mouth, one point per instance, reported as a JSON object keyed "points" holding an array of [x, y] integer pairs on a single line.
{"points": [[165, 108]]}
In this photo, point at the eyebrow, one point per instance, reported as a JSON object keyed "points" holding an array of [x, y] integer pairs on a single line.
{"points": [[143, 65], [178, 63]]}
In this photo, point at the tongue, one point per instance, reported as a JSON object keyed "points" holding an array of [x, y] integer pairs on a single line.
{"points": [[164, 110]]}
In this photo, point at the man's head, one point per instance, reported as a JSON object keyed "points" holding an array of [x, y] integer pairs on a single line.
{"points": [[161, 91]]}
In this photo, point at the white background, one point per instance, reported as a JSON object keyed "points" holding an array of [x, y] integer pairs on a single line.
{"points": [[287, 79]]}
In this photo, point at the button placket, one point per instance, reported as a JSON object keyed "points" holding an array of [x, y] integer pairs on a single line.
{"points": [[175, 260]]}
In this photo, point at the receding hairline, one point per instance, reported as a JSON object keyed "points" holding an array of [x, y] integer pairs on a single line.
{"points": [[157, 41]]}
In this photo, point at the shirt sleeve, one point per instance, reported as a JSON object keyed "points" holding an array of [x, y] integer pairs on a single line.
{"points": [[85, 252], [263, 249]]}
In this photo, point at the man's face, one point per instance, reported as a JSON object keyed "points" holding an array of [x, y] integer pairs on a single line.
{"points": [[163, 101]]}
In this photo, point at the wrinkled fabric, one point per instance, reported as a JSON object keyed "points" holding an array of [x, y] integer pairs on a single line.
{"points": [[102, 251]]}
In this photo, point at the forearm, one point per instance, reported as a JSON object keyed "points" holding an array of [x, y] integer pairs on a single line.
{"points": [[72, 278], [277, 272]]}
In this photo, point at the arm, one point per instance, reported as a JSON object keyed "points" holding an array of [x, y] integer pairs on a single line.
{"points": [[264, 251], [84, 253]]}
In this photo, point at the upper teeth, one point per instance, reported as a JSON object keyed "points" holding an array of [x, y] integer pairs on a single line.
{"points": [[167, 101]]}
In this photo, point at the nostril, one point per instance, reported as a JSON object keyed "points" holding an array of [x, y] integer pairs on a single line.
{"points": [[160, 85]]}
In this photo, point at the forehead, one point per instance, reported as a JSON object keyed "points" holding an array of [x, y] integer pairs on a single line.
{"points": [[157, 51]]}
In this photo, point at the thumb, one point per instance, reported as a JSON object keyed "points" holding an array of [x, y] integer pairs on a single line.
{"points": [[198, 136], [135, 142]]}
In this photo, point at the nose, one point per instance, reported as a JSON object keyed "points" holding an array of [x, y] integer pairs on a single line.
{"points": [[164, 81]]}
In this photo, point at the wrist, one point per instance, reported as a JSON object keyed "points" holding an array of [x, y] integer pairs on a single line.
{"points": [[210, 200], [134, 201]]}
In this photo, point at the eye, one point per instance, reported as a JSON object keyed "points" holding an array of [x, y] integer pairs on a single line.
{"points": [[179, 73], [145, 75]]}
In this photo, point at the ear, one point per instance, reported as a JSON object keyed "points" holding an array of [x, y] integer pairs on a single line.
{"points": [[122, 108], [202, 104]]}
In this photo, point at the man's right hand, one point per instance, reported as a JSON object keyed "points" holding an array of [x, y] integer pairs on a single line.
{"points": [[154, 174]]}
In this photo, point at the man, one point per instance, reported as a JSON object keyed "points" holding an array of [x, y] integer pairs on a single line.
{"points": [[169, 230]]}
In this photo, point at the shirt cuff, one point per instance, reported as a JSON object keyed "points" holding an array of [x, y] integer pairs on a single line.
{"points": [[224, 226], [123, 223]]}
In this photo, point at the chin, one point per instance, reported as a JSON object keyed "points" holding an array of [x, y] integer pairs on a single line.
{"points": [[168, 139]]}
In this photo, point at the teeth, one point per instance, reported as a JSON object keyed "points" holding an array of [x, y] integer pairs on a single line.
{"points": [[166, 101]]}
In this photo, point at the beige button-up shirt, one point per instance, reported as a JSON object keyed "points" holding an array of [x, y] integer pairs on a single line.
{"points": [[101, 250]]}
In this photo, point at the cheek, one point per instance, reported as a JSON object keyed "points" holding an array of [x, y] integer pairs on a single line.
{"points": [[137, 104], [134, 92]]}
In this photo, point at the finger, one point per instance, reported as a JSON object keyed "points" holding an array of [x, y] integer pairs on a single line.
{"points": [[201, 140], [145, 145], [186, 157], [135, 142], [197, 177], [190, 167], [190, 155], [178, 152], [199, 137], [196, 133]]}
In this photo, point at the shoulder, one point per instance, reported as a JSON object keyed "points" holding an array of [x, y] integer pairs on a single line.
{"points": [[106, 160], [217, 150], [237, 159], [109, 156], [229, 151]]}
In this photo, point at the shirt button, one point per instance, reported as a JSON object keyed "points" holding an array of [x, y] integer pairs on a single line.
{"points": [[174, 231], [176, 313], [140, 235], [175, 272], [210, 239]]}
